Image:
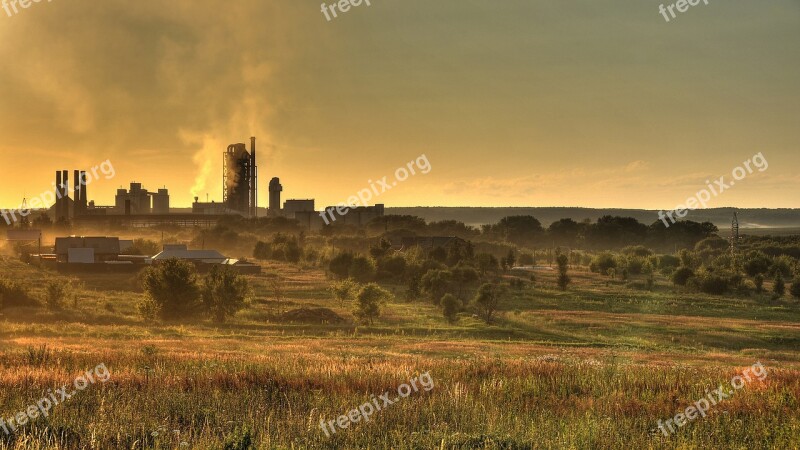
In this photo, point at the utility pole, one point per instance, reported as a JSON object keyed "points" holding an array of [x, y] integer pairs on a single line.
{"points": [[734, 238]]}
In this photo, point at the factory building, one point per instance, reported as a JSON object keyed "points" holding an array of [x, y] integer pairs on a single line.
{"points": [[65, 207], [87, 250], [161, 202], [209, 208], [133, 201], [138, 207], [290, 207], [137, 200]]}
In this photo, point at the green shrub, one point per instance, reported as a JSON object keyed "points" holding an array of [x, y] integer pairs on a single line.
{"points": [[712, 284], [224, 293], [13, 294], [682, 275], [344, 290], [757, 263], [368, 302], [795, 288], [239, 439], [779, 288], [602, 263], [172, 291], [436, 283], [57, 293], [362, 269], [488, 300], [563, 278], [758, 281], [450, 307], [637, 250], [340, 264], [668, 262]]}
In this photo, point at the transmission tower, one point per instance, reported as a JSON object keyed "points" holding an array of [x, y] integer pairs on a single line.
{"points": [[734, 234], [24, 212]]}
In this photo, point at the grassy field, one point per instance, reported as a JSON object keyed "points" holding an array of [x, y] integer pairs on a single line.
{"points": [[594, 367]]}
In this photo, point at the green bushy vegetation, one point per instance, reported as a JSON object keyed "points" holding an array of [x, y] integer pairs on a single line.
{"points": [[586, 360]]}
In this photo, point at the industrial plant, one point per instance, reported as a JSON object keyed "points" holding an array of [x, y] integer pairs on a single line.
{"points": [[139, 207]]}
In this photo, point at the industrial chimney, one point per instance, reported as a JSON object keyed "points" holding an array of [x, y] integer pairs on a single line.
{"points": [[76, 193], [59, 193], [253, 179], [65, 193], [84, 198]]}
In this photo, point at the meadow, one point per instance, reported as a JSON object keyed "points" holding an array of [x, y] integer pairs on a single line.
{"points": [[594, 367]]}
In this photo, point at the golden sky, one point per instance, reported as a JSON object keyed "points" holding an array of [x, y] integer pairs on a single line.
{"points": [[514, 102]]}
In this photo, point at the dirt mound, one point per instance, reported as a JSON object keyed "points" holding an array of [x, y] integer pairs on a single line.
{"points": [[312, 315]]}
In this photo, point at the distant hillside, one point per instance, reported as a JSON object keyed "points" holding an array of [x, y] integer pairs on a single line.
{"points": [[721, 217]]}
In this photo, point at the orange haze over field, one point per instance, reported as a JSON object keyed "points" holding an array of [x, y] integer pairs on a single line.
{"points": [[515, 103]]}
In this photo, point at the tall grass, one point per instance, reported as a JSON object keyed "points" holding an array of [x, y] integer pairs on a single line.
{"points": [[160, 399]]}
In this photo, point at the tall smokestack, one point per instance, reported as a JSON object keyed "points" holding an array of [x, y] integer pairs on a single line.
{"points": [[84, 197], [59, 193], [76, 192], [253, 179], [65, 193]]}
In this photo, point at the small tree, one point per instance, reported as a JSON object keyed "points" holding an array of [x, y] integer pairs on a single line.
{"points": [[224, 293], [486, 262], [436, 283], [511, 259], [278, 288], [563, 267], [368, 302], [340, 264], [779, 288], [413, 287], [262, 251], [795, 288], [758, 280], [682, 275], [450, 307], [56, 294], [487, 301], [172, 290], [362, 269], [344, 290]]}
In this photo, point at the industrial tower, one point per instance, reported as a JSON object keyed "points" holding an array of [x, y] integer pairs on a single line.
{"points": [[240, 179]]}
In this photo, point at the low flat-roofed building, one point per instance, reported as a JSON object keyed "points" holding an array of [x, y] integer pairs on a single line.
{"points": [[197, 256], [290, 207], [87, 250], [205, 259], [358, 216]]}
